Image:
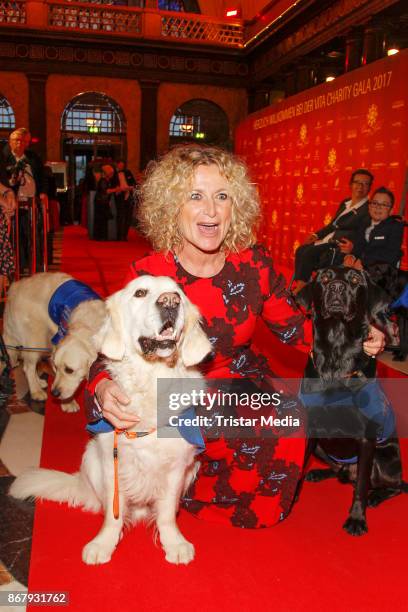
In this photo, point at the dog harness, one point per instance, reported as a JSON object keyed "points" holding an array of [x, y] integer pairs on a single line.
{"points": [[63, 301], [192, 434], [369, 399]]}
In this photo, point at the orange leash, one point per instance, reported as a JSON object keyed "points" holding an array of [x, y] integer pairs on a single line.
{"points": [[131, 435]]}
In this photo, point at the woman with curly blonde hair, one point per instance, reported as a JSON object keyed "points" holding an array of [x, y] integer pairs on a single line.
{"points": [[164, 189], [200, 212]]}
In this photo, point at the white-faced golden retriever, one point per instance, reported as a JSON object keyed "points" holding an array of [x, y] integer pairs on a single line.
{"points": [[152, 332], [27, 323]]}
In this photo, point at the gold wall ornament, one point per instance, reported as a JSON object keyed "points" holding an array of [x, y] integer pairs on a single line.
{"points": [[274, 217], [327, 219], [372, 115], [303, 133], [258, 144], [332, 157], [299, 192], [277, 165]]}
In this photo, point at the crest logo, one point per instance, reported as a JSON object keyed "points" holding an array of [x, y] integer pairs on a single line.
{"points": [[372, 116], [332, 157]]}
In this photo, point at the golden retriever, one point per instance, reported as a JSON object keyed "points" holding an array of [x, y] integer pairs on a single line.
{"points": [[27, 323], [152, 332]]}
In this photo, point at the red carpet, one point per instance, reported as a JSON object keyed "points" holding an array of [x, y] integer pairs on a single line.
{"points": [[306, 563]]}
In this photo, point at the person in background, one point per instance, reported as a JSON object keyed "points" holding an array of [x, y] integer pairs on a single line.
{"points": [[200, 211], [7, 210], [128, 185], [379, 239], [53, 204], [23, 171], [320, 249], [106, 184]]}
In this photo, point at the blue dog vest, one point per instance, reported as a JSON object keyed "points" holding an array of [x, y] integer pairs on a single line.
{"points": [[63, 301], [370, 400]]}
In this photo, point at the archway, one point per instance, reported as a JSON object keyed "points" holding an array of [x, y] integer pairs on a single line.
{"points": [[200, 121], [93, 126], [7, 119]]}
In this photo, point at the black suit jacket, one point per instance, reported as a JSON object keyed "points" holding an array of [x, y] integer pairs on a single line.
{"points": [[7, 161], [384, 245], [346, 225]]}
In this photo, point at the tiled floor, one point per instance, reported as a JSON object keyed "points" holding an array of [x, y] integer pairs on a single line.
{"points": [[21, 427]]}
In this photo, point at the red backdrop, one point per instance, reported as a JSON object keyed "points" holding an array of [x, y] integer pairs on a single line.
{"points": [[302, 151]]}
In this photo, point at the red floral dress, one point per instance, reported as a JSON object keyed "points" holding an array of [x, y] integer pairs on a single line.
{"points": [[247, 482]]}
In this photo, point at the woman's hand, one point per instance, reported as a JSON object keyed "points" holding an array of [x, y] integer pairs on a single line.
{"points": [[375, 342], [113, 401], [345, 246]]}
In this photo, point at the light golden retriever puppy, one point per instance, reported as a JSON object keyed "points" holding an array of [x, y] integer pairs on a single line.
{"points": [[152, 332], [27, 323]]}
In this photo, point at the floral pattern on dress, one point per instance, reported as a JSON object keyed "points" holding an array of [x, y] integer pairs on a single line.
{"points": [[7, 265], [248, 480]]}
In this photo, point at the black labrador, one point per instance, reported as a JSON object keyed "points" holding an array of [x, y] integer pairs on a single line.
{"points": [[351, 424]]}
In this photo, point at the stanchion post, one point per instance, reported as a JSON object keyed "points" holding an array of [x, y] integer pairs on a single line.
{"points": [[45, 236], [16, 241], [33, 236]]}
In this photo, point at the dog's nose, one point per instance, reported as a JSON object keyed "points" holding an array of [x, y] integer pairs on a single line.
{"points": [[337, 286], [169, 300], [55, 392]]}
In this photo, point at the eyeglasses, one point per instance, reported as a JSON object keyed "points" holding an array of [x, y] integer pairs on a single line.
{"points": [[362, 183], [380, 204]]}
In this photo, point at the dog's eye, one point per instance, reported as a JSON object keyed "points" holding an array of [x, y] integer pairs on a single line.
{"points": [[325, 278], [355, 280], [68, 370], [140, 293]]}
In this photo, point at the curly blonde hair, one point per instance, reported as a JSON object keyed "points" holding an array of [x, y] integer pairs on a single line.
{"points": [[166, 186]]}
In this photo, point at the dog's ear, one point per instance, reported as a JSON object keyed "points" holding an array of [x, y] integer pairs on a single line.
{"points": [[305, 297], [110, 340], [195, 345], [378, 303]]}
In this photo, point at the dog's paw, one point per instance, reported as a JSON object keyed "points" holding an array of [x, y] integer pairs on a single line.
{"points": [[95, 553], [43, 383], [181, 553], [355, 526], [71, 406], [318, 475], [39, 396]]}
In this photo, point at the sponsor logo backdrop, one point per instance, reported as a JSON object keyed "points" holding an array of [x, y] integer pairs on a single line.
{"points": [[302, 151]]}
